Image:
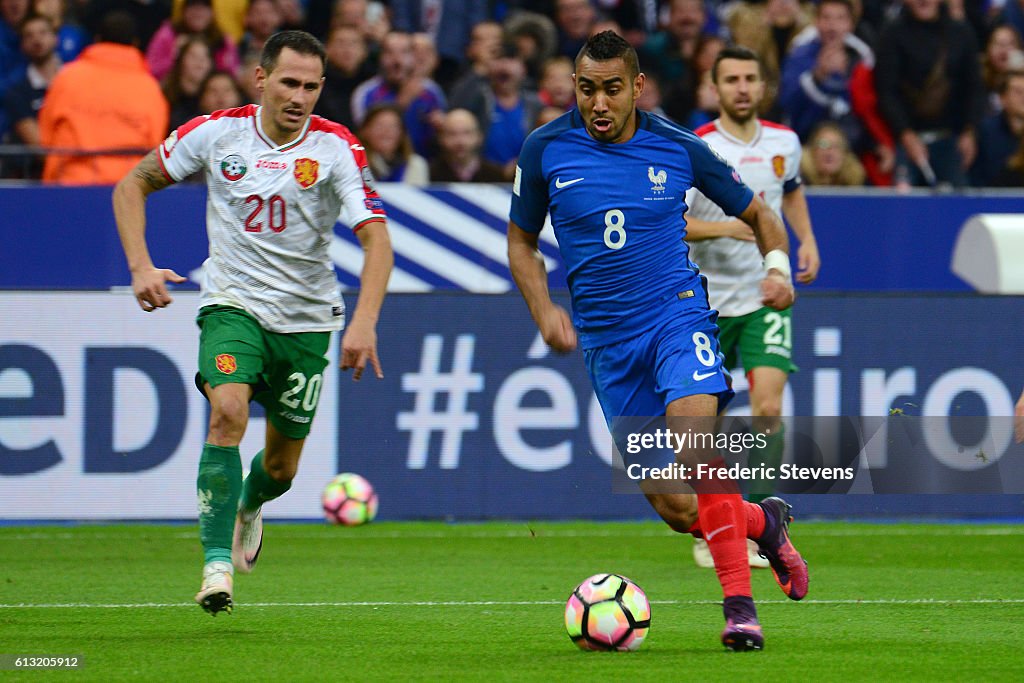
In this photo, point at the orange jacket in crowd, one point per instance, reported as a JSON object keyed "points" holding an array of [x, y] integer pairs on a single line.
{"points": [[105, 99]]}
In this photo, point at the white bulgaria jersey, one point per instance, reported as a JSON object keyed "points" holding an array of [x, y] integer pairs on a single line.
{"points": [[770, 165], [271, 211]]}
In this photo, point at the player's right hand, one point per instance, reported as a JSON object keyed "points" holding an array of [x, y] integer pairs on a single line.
{"points": [[1018, 420], [777, 291], [150, 287], [556, 328]]}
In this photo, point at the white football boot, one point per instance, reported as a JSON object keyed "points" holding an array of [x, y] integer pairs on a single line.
{"points": [[215, 594], [247, 541]]}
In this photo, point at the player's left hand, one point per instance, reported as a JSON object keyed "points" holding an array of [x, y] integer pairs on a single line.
{"points": [[359, 346], [777, 291], [807, 262]]}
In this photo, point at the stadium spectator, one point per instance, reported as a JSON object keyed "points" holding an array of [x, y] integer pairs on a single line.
{"points": [[815, 83], [1002, 54], [182, 85], [448, 23], [247, 78], [556, 85], [347, 67], [148, 15], [1012, 175], [930, 93], [106, 99], [229, 15], [12, 61], [636, 18], [650, 99], [691, 99], [768, 30], [827, 159], [25, 98], [705, 107], [484, 46], [262, 19], [668, 52], [879, 152], [425, 58], [389, 149], [574, 20], [536, 38], [196, 20], [999, 134], [369, 18], [71, 39], [219, 91], [420, 99], [293, 14], [459, 157], [547, 115], [506, 110]]}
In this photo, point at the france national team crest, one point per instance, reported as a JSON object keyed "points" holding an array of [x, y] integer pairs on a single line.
{"points": [[657, 179], [233, 167], [226, 363], [779, 165], [306, 172]]}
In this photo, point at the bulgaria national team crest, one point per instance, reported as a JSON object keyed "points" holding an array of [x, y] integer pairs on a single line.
{"points": [[779, 165], [306, 172], [233, 167], [226, 363]]}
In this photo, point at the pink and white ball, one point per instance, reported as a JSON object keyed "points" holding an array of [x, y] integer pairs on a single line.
{"points": [[349, 500], [608, 612]]}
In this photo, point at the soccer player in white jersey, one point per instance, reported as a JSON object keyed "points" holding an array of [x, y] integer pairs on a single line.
{"points": [[278, 180], [767, 157]]}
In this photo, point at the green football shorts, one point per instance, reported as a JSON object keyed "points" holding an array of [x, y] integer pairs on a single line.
{"points": [[284, 370], [763, 338]]}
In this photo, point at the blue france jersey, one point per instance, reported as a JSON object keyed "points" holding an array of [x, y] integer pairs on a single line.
{"points": [[617, 211]]}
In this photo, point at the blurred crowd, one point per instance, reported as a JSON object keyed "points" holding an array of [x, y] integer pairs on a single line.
{"points": [[881, 92]]}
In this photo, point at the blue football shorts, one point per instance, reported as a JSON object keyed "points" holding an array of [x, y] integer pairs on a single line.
{"points": [[640, 376]]}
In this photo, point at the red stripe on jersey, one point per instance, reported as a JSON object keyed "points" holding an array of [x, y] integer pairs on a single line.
{"points": [[772, 124], [318, 123], [364, 223], [705, 129], [235, 113]]}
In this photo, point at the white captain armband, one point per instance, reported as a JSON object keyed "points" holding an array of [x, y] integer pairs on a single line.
{"points": [[779, 260]]}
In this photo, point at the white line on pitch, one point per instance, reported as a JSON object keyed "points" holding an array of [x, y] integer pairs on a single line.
{"points": [[810, 530], [505, 603]]}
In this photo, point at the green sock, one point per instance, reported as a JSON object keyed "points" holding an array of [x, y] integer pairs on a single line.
{"points": [[259, 487], [218, 486], [769, 456]]}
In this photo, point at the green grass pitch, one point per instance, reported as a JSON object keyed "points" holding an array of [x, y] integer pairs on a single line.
{"points": [[430, 601]]}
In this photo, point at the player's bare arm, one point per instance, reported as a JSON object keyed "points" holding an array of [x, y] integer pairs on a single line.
{"points": [[527, 266], [698, 229], [794, 208], [359, 343], [149, 283], [777, 286]]}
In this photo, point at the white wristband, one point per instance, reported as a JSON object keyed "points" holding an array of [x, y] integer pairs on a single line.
{"points": [[778, 260]]}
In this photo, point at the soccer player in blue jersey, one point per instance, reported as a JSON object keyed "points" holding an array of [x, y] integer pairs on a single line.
{"points": [[614, 179]]}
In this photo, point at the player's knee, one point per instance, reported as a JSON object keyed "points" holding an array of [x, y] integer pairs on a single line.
{"points": [[768, 406], [679, 511], [228, 418], [282, 471]]}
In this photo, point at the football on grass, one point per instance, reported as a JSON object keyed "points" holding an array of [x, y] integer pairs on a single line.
{"points": [[608, 612], [350, 500]]}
